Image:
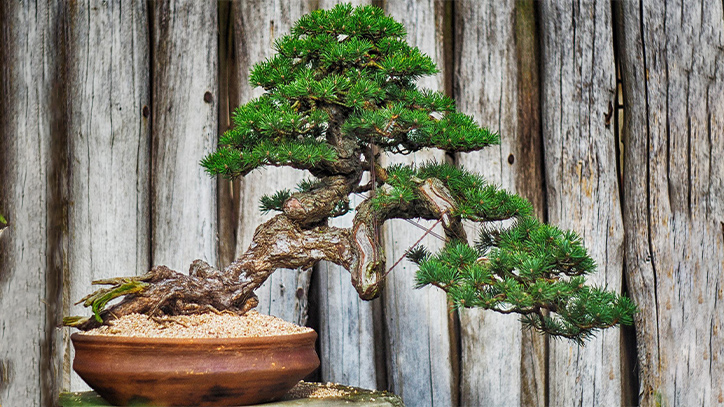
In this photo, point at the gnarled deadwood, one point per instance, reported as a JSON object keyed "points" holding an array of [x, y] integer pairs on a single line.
{"points": [[285, 241], [369, 271], [278, 243], [311, 207]]}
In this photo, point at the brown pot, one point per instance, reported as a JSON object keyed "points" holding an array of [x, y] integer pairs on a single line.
{"points": [[199, 372]]}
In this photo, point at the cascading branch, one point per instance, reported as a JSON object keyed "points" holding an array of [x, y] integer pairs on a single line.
{"points": [[340, 91]]}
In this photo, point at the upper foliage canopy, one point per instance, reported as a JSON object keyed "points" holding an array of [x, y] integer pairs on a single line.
{"points": [[352, 61]]}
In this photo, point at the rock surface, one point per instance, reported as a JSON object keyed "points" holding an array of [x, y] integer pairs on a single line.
{"points": [[303, 395]]}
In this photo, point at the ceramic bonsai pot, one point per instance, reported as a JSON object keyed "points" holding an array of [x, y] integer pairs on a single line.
{"points": [[198, 372]]}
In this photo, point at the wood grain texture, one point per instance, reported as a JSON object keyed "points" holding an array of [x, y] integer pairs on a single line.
{"points": [[578, 79], [184, 66], [421, 360], [673, 80], [109, 88], [347, 324], [257, 24], [496, 82], [31, 186]]}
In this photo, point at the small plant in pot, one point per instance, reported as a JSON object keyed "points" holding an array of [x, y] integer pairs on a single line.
{"points": [[339, 93]]}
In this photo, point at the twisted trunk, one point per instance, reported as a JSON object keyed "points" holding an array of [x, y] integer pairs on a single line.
{"points": [[278, 243], [298, 238]]}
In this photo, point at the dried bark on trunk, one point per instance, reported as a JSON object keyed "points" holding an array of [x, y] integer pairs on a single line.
{"points": [[497, 81], [578, 80], [32, 176], [109, 124], [673, 85], [256, 25], [421, 359], [184, 129]]}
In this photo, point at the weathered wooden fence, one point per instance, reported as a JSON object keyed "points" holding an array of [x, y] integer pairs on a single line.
{"points": [[612, 123]]}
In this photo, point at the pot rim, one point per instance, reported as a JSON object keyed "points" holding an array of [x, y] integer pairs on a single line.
{"points": [[273, 340]]}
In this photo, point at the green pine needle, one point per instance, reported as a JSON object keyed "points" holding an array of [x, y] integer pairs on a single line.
{"points": [[418, 254], [524, 269], [308, 184], [274, 202]]}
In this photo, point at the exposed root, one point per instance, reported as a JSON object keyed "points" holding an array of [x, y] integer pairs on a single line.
{"points": [[163, 293]]}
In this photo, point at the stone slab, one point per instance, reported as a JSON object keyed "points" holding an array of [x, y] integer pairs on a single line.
{"points": [[354, 397]]}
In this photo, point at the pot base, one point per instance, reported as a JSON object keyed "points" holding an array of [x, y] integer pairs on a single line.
{"points": [[203, 372], [354, 397]]}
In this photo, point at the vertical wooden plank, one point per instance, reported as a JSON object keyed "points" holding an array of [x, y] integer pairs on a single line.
{"points": [[109, 91], [496, 81], [31, 186], [419, 338], [672, 61], [257, 24], [184, 217], [348, 349], [578, 80], [228, 190]]}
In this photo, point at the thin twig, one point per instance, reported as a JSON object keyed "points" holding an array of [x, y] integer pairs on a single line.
{"points": [[433, 234], [415, 244]]}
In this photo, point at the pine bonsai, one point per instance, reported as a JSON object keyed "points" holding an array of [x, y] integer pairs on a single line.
{"points": [[339, 92]]}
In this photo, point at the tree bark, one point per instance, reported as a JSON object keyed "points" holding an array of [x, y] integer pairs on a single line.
{"points": [[32, 200], [184, 201], [278, 243], [420, 329], [497, 82], [256, 25], [578, 86], [109, 125], [673, 85]]}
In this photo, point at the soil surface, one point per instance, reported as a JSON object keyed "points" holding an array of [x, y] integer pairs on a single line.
{"points": [[210, 325]]}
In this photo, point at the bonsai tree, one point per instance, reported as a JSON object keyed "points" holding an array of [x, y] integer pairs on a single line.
{"points": [[340, 91]]}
